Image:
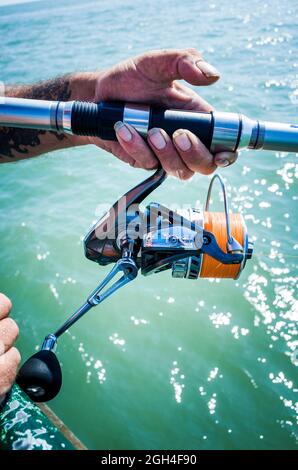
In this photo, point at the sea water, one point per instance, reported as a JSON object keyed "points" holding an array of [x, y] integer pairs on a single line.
{"points": [[165, 363]]}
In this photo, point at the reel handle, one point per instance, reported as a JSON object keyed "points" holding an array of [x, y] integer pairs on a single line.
{"points": [[40, 377]]}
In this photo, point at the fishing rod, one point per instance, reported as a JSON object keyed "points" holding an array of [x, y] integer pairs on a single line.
{"points": [[191, 244], [219, 131]]}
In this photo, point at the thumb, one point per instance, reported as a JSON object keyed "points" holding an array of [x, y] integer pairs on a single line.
{"points": [[167, 65]]}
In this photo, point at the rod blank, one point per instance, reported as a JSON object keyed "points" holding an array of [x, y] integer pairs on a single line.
{"points": [[219, 131]]}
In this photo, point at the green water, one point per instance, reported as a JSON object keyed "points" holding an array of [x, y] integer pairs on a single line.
{"points": [[166, 363]]}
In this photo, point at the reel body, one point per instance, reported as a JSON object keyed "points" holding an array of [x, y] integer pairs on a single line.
{"points": [[191, 243]]}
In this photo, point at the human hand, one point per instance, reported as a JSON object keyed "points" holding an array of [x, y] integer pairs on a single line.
{"points": [[9, 355], [152, 78]]}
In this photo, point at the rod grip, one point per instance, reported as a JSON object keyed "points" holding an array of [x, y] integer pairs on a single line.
{"points": [[91, 119], [96, 119], [200, 124]]}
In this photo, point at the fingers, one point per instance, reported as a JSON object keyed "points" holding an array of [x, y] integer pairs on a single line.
{"points": [[193, 152], [9, 332], [9, 356], [181, 156], [168, 156], [9, 363], [223, 159], [135, 146], [167, 65], [5, 306], [183, 97]]}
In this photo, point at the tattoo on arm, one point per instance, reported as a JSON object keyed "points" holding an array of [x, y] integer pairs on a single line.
{"points": [[16, 143]]}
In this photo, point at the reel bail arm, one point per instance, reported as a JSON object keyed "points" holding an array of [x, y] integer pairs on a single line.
{"points": [[232, 245]]}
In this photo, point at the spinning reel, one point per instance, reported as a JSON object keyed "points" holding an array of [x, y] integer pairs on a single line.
{"points": [[190, 243]]}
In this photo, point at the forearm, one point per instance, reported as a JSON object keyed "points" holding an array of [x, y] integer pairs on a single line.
{"points": [[17, 144]]}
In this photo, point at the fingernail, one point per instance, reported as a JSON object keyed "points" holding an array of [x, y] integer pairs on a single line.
{"points": [[222, 162], [157, 139], [207, 69], [182, 141], [122, 131]]}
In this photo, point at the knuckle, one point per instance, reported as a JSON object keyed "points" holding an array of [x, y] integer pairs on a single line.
{"points": [[189, 175], [184, 174], [4, 388], [136, 164], [136, 149], [146, 162], [8, 371], [13, 327], [5, 304], [192, 50], [150, 165], [164, 154], [16, 356], [207, 170], [162, 158], [171, 168]]}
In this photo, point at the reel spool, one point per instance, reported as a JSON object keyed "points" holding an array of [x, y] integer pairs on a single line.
{"points": [[206, 266], [215, 222], [229, 230], [230, 233]]}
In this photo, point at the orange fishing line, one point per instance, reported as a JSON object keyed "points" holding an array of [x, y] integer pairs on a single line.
{"points": [[215, 222]]}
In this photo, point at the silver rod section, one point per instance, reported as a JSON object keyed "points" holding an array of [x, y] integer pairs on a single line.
{"points": [[32, 114], [36, 114], [233, 132], [226, 132], [137, 116], [280, 137]]}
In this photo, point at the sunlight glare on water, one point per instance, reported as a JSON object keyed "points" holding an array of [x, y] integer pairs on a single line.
{"points": [[165, 363]]}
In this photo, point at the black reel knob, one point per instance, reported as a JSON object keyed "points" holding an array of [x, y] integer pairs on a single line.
{"points": [[40, 377]]}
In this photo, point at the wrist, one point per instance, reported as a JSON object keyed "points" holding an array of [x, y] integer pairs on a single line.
{"points": [[82, 86]]}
